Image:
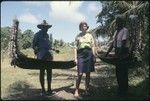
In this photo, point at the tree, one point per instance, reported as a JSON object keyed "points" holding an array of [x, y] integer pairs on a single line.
{"points": [[26, 39], [51, 40], [56, 43], [108, 15], [61, 43], [5, 37]]}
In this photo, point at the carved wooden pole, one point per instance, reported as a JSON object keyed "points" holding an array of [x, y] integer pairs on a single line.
{"points": [[14, 46]]}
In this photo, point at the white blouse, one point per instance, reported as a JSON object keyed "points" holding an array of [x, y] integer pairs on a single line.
{"points": [[84, 40]]}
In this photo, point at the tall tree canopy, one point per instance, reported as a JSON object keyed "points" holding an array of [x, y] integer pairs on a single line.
{"points": [[128, 10]]}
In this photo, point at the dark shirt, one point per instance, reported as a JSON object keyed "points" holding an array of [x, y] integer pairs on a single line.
{"points": [[41, 43]]}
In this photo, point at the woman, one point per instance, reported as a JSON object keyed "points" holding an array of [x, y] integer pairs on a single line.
{"points": [[84, 56]]}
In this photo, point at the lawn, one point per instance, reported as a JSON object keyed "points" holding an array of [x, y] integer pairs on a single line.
{"points": [[23, 84]]}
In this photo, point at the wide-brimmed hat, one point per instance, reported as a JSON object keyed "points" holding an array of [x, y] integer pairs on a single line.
{"points": [[44, 24]]}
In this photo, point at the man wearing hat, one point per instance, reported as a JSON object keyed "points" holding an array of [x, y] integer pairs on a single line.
{"points": [[42, 48]]}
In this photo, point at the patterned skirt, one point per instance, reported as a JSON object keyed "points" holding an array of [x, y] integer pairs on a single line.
{"points": [[85, 60]]}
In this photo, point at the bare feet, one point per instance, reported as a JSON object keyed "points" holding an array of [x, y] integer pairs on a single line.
{"points": [[76, 94]]}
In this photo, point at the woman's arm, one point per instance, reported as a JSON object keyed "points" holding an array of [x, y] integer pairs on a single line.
{"points": [[94, 53], [76, 43], [93, 50], [75, 55], [93, 44]]}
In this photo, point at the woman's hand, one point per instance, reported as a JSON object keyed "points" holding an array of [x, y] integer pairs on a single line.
{"points": [[106, 54], [94, 59], [75, 61]]}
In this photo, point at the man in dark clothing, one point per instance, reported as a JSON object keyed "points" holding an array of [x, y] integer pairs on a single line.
{"points": [[43, 50], [121, 45]]}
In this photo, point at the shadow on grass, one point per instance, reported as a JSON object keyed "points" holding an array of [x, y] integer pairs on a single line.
{"points": [[21, 90], [55, 74], [141, 89], [103, 87]]}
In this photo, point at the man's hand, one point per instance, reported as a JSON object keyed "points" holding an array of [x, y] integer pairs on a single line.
{"points": [[110, 48], [35, 51], [75, 61], [106, 54], [57, 51], [94, 59]]}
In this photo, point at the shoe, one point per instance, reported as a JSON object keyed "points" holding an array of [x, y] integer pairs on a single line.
{"points": [[43, 93], [50, 92], [122, 94], [86, 93]]}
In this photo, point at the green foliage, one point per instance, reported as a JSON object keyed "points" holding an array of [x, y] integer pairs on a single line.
{"points": [[26, 45], [5, 36], [26, 39], [61, 43], [126, 8], [51, 40], [58, 43]]}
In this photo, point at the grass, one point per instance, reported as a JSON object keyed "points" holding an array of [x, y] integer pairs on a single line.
{"points": [[23, 84], [64, 53]]}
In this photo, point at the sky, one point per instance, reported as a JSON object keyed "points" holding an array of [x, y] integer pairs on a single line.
{"points": [[62, 15]]}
